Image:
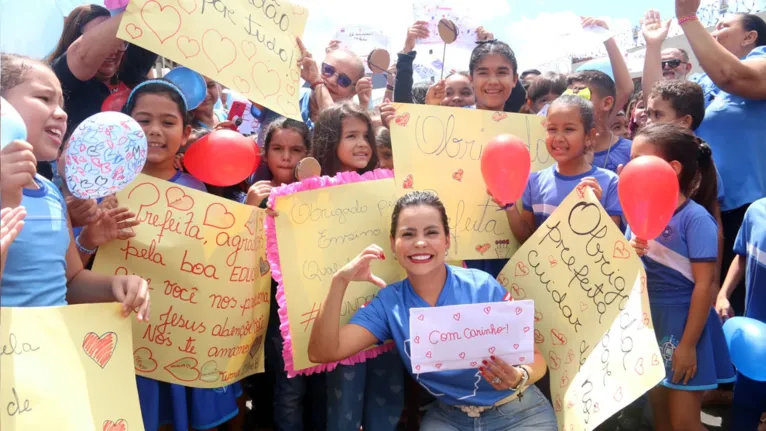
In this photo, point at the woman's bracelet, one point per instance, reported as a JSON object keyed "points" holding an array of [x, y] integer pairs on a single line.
{"points": [[687, 19], [83, 249]]}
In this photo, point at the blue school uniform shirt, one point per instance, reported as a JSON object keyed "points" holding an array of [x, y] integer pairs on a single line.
{"points": [[734, 128], [305, 103], [387, 317], [614, 156], [751, 243], [35, 269], [691, 236], [547, 188]]}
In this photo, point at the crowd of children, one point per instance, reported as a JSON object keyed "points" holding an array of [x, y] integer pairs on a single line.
{"points": [[594, 126]]}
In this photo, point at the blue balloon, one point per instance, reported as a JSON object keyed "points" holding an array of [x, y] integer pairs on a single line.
{"points": [[746, 338], [32, 28], [600, 64], [191, 83], [12, 126]]}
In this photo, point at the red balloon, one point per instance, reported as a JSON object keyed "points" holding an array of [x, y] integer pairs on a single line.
{"points": [[221, 158], [115, 101], [505, 165], [648, 191]]}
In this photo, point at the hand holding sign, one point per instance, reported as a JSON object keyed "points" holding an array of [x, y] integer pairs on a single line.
{"points": [[359, 268]]}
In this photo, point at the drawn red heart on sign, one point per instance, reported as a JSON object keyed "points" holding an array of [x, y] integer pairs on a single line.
{"points": [[417, 339], [492, 350], [639, 368], [521, 269], [522, 358], [295, 75], [267, 80], [503, 280], [526, 329], [516, 346], [499, 116], [120, 425], [620, 250], [559, 339], [242, 84], [428, 355], [407, 184], [618, 395], [655, 360], [188, 6], [539, 338], [487, 309], [552, 261], [565, 379], [143, 360], [163, 21], [554, 360], [249, 49], [177, 199], [581, 190], [642, 287], [474, 363], [518, 311], [538, 316], [456, 316], [438, 365], [518, 292], [462, 355], [134, 31], [645, 320], [557, 404], [184, 369], [402, 119], [458, 175], [218, 216], [100, 348], [289, 106], [290, 89], [219, 49], [188, 46]]}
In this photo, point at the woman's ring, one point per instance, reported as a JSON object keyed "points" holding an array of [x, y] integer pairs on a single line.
{"points": [[496, 381]]}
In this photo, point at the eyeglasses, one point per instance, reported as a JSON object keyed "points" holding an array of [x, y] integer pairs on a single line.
{"points": [[671, 64], [343, 79], [582, 92]]}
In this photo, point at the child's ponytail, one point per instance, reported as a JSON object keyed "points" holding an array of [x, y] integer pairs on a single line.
{"points": [[705, 191]]}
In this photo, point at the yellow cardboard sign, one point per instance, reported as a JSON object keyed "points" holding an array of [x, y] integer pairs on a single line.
{"points": [[317, 232], [246, 45], [592, 319], [67, 368], [439, 149], [205, 260]]}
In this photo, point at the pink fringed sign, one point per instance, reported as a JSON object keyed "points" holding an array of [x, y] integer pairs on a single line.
{"points": [[377, 200]]}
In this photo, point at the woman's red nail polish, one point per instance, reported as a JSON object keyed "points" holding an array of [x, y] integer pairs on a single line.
{"points": [[484, 362], [492, 357], [382, 255], [481, 369]]}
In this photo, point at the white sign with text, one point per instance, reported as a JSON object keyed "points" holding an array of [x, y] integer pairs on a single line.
{"points": [[458, 337]]}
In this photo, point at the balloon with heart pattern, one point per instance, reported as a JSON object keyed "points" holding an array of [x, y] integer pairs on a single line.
{"points": [[104, 154]]}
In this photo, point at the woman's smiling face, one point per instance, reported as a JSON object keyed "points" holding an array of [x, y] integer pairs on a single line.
{"points": [[493, 80]]}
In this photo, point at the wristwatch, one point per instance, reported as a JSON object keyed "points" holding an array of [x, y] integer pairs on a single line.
{"points": [[522, 383]]}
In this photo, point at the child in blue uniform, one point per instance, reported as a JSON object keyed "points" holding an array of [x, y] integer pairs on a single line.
{"points": [[570, 131], [42, 267], [496, 396], [160, 108], [609, 150], [680, 267], [750, 263]]}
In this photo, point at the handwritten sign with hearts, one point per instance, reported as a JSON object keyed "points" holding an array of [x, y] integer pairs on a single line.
{"points": [[245, 45], [361, 40], [67, 368], [105, 153], [586, 282], [457, 337], [210, 302]]}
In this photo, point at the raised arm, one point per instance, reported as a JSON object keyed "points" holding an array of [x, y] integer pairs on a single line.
{"points": [[329, 341], [622, 80], [86, 54], [743, 78], [655, 32]]}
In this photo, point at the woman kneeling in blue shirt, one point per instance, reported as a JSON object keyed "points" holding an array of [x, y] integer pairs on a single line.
{"points": [[504, 399]]}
